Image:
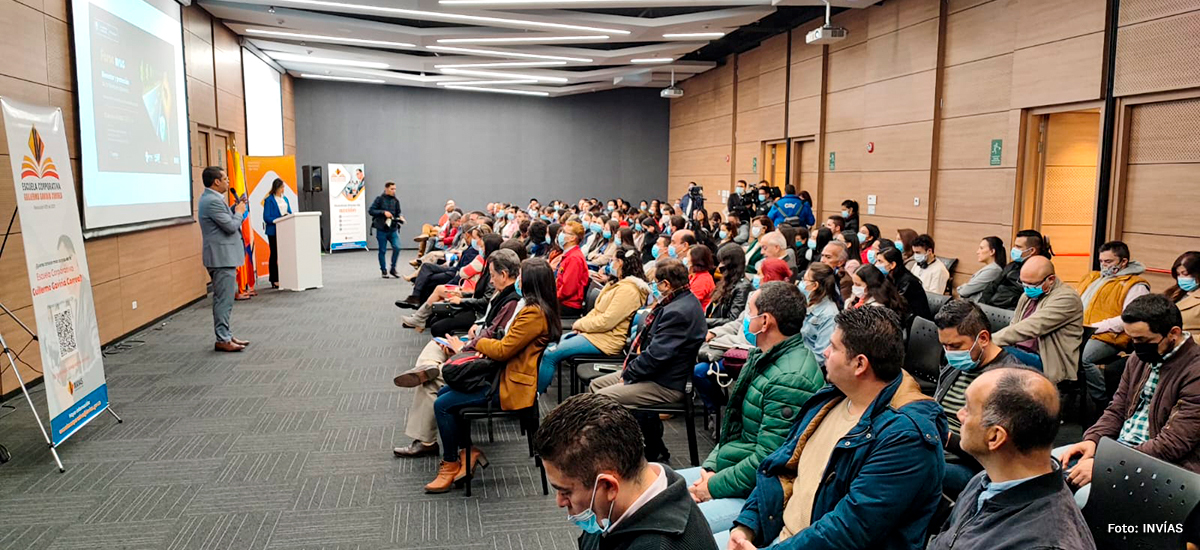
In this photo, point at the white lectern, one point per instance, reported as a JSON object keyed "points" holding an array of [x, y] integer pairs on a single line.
{"points": [[299, 245]]}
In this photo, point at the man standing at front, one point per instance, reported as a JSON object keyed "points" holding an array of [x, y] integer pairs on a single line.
{"points": [[386, 219], [223, 251]]}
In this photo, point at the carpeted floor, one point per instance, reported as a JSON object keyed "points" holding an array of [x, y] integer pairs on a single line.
{"points": [[285, 445]]}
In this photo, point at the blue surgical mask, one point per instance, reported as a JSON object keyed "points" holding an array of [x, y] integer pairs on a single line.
{"points": [[517, 286], [478, 246], [671, 251], [562, 239], [882, 268], [804, 289], [919, 258], [667, 231], [687, 262], [900, 246], [762, 198], [723, 234], [608, 270], [638, 227], [654, 289], [547, 238], [1187, 284], [862, 238], [655, 251], [1034, 292], [755, 281], [586, 519], [547, 218], [607, 234], [611, 208], [751, 337], [812, 244], [845, 213], [1016, 254], [597, 228], [962, 360], [871, 256]]}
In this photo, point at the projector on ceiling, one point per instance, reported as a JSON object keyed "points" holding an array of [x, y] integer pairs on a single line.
{"points": [[673, 92], [826, 35]]}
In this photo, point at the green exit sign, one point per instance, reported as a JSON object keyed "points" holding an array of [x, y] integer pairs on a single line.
{"points": [[832, 161], [997, 152]]}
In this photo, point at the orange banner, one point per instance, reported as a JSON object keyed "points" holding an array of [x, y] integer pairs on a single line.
{"points": [[260, 174], [246, 273]]}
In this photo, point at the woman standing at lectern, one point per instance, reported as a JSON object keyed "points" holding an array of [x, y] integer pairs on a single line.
{"points": [[274, 207]]}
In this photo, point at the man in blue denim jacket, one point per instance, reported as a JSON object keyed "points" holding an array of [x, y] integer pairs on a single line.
{"points": [[863, 467]]}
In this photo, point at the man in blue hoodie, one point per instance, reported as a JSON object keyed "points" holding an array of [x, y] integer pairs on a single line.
{"points": [[792, 210], [863, 467]]}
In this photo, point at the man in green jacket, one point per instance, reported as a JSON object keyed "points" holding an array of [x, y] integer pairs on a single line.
{"points": [[779, 377]]}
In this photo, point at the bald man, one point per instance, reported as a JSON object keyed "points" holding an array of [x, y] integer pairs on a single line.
{"points": [[1020, 500], [681, 245], [835, 255], [1047, 327]]}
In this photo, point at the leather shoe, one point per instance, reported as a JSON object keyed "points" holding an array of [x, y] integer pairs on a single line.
{"points": [[394, 274], [412, 302], [477, 461], [416, 449], [416, 377], [228, 346], [444, 481], [243, 343]]}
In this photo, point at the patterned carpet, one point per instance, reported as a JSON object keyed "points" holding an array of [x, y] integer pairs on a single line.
{"points": [[285, 445]]}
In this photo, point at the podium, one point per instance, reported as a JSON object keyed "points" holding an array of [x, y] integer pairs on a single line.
{"points": [[299, 246]]}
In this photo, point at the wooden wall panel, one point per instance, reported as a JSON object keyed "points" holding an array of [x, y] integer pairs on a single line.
{"points": [[23, 41], [844, 110], [906, 51], [983, 31], [104, 259], [1137, 11], [966, 141], [900, 147], [856, 23], [977, 87], [804, 117], [976, 196], [1059, 72], [961, 240], [1046, 22], [1165, 133], [899, 14], [1162, 198], [1159, 55], [900, 100], [847, 68]]}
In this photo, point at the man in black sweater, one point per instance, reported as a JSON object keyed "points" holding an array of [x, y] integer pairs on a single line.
{"points": [[1021, 500], [592, 451], [386, 219]]}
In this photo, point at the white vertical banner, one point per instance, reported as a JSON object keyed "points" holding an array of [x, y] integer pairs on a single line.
{"points": [[68, 337], [347, 206]]}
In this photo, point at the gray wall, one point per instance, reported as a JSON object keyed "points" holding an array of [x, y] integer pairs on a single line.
{"points": [[479, 147]]}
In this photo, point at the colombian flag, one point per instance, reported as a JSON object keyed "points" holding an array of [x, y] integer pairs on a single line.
{"points": [[246, 273]]}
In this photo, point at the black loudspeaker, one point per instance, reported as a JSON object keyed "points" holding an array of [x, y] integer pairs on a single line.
{"points": [[313, 179]]}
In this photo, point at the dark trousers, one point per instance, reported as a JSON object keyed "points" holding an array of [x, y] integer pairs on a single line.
{"points": [[273, 262], [430, 276], [459, 323]]}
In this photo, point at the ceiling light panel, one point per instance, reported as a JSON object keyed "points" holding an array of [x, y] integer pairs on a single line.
{"points": [[502, 64], [501, 74], [653, 60], [486, 82], [341, 78], [498, 91], [335, 39], [440, 16], [522, 39], [503, 53], [300, 58], [694, 35]]}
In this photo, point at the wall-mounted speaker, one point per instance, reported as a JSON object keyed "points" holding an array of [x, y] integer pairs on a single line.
{"points": [[313, 179]]}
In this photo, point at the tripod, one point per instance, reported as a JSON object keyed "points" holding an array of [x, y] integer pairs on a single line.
{"points": [[10, 354]]}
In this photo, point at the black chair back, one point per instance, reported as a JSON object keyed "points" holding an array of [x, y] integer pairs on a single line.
{"points": [[997, 318], [1150, 499], [589, 299], [923, 356], [936, 301]]}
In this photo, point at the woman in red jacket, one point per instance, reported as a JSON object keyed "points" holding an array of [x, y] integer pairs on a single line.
{"points": [[700, 267], [572, 275]]}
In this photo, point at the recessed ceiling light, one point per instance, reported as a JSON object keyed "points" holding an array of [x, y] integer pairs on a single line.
{"points": [[653, 60], [437, 15], [501, 53], [341, 78], [694, 35], [501, 74], [323, 38], [520, 39], [513, 64], [301, 58], [497, 90], [485, 82]]}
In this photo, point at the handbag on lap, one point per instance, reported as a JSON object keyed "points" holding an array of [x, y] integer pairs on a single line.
{"points": [[469, 371]]}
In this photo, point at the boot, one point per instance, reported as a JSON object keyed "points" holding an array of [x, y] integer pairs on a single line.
{"points": [[420, 317], [477, 461], [445, 478]]}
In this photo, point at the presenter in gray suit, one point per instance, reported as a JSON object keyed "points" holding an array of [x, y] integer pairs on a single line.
{"points": [[223, 252]]}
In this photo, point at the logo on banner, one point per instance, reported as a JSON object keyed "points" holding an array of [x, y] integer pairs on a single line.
{"points": [[38, 166]]}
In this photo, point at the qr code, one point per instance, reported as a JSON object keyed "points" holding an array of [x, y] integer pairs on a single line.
{"points": [[64, 326]]}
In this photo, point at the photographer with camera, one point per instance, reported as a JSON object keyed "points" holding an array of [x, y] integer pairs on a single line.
{"points": [[693, 200]]}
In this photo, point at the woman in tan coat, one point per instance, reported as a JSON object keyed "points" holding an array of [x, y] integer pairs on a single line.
{"points": [[604, 329], [1186, 292], [535, 324]]}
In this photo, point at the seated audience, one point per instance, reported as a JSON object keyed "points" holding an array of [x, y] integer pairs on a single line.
{"points": [[934, 275], [537, 245], [729, 297], [572, 274], [700, 274], [882, 489], [868, 238], [604, 330], [873, 288], [903, 243], [850, 214], [1047, 326], [470, 284], [1186, 291], [535, 323], [773, 245], [592, 451], [742, 236], [504, 268], [1105, 294], [853, 249], [1007, 288], [681, 245], [835, 256], [891, 262], [607, 245], [760, 227], [1020, 502], [991, 254], [1156, 409], [461, 267], [823, 301], [662, 356], [970, 351], [779, 376]]}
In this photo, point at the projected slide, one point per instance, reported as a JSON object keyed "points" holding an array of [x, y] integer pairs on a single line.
{"points": [[132, 112]]}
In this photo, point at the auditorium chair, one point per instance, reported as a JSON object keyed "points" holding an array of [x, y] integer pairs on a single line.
{"points": [[923, 356], [936, 301], [1130, 488]]}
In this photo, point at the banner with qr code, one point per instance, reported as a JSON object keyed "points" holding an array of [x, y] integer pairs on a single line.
{"points": [[72, 365]]}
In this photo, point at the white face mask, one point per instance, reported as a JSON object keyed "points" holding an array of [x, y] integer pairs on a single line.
{"points": [[858, 291]]}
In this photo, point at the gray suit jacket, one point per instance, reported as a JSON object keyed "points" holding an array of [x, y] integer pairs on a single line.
{"points": [[222, 232]]}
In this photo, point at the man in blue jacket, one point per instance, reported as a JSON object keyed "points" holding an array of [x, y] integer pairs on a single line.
{"points": [[863, 467], [792, 210]]}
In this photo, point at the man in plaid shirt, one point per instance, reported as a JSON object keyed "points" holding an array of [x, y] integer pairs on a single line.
{"points": [[1156, 409]]}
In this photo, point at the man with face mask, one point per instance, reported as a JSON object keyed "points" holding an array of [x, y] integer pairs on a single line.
{"points": [[1105, 294], [592, 451], [965, 337], [1047, 326], [1156, 409]]}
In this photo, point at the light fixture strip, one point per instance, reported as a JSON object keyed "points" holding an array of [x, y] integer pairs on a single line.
{"points": [[510, 64], [653, 60], [437, 15], [485, 82], [323, 38], [341, 78], [500, 53], [498, 91], [501, 74], [521, 39], [298, 58], [694, 35]]}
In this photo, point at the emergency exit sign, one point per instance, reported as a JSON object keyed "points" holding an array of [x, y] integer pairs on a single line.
{"points": [[997, 152], [832, 161]]}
